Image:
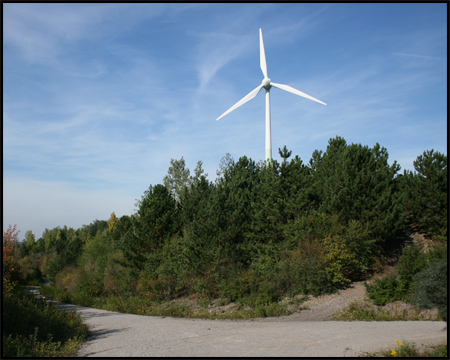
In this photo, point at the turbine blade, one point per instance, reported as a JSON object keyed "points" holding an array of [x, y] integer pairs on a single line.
{"points": [[246, 98], [295, 91], [262, 55]]}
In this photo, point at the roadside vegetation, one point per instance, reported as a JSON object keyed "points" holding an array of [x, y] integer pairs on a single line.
{"points": [[407, 350], [32, 327], [420, 279], [256, 235]]}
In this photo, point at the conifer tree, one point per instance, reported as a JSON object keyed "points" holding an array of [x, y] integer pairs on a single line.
{"points": [[426, 193], [156, 219], [357, 183]]}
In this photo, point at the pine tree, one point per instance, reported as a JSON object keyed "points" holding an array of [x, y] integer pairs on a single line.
{"points": [[426, 193], [357, 183], [156, 219]]}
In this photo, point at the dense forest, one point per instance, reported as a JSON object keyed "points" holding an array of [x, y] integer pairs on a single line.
{"points": [[256, 234]]}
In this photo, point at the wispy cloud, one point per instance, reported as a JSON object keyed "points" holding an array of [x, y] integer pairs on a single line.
{"points": [[425, 57], [97, 98], [215, 51]]}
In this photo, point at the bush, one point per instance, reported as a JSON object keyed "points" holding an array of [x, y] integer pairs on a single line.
{"points": [[412, 261], [33, 327], [304, 274], [402, 287], [384, 290], [234, 283], [431, 288]]}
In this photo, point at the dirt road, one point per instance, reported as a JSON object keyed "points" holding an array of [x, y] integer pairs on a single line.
{"points": [[124, 335]]}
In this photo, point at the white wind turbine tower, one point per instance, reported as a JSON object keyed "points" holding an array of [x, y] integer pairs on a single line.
{"points": [[267, 84]]}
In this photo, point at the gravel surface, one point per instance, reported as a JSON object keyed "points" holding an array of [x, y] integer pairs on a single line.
{"points": [[124, 335], [302, 334]]}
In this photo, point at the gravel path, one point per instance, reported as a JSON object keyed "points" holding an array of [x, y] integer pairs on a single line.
{"points": [[320, 308], [303, 334], [124, 335]]}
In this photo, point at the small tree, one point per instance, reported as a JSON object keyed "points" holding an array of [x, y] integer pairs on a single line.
{"points": [[225, 164], [177, 179], [9, 263], [285, 153], [426, 193], [112, 222], [156, 220], [431, 288]]}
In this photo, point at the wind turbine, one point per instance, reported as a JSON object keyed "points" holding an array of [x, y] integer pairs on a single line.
{"points": [[267, 84]]}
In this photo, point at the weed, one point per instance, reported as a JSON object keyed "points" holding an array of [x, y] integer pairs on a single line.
{"points": [[408, 349]]}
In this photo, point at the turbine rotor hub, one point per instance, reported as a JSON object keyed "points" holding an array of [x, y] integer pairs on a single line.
{"points": [[266, 83]]}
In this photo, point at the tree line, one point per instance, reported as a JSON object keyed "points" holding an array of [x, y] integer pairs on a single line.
{"points": [[256, 234]]}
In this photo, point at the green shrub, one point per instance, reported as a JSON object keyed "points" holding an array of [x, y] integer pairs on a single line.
{"points": [[384, 290], [234, 284], [393, 288], [33, 327], [54, 293], [305, 275], [412, 261], [431, 288], [365, 311]]}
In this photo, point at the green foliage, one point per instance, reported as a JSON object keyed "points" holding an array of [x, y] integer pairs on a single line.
{"points": [[30, 270], [384, 290], [155, 220], [361, 311], [348, 251], [178, 179], [66, 246], [431, 287], [224, 224], [413, 261], [258, 233], [98, 226], [303, 273], [426, 193], [408, 350], [225, 163], [35, 328], [285, 153], [357, 183]]}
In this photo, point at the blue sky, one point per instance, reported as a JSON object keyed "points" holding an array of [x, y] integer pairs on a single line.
{"points": [[98, 98]]}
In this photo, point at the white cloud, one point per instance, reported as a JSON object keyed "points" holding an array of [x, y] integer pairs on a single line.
{"points": [[109, 98], [215, 51]]}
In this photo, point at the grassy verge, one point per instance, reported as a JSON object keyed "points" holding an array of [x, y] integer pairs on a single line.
{"points": [[410, 350], [202, 308], [35, 328], [184, 309], [364, 311]]}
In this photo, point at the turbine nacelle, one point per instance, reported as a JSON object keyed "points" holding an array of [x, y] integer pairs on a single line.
{"points": [[266, 83]]}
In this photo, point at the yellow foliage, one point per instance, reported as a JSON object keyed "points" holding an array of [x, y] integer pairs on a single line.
{"points": [[112, 222], [339, 258]]}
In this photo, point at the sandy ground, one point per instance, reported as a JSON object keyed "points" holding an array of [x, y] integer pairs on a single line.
{"points": [[124, 335], [303, 334]]}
